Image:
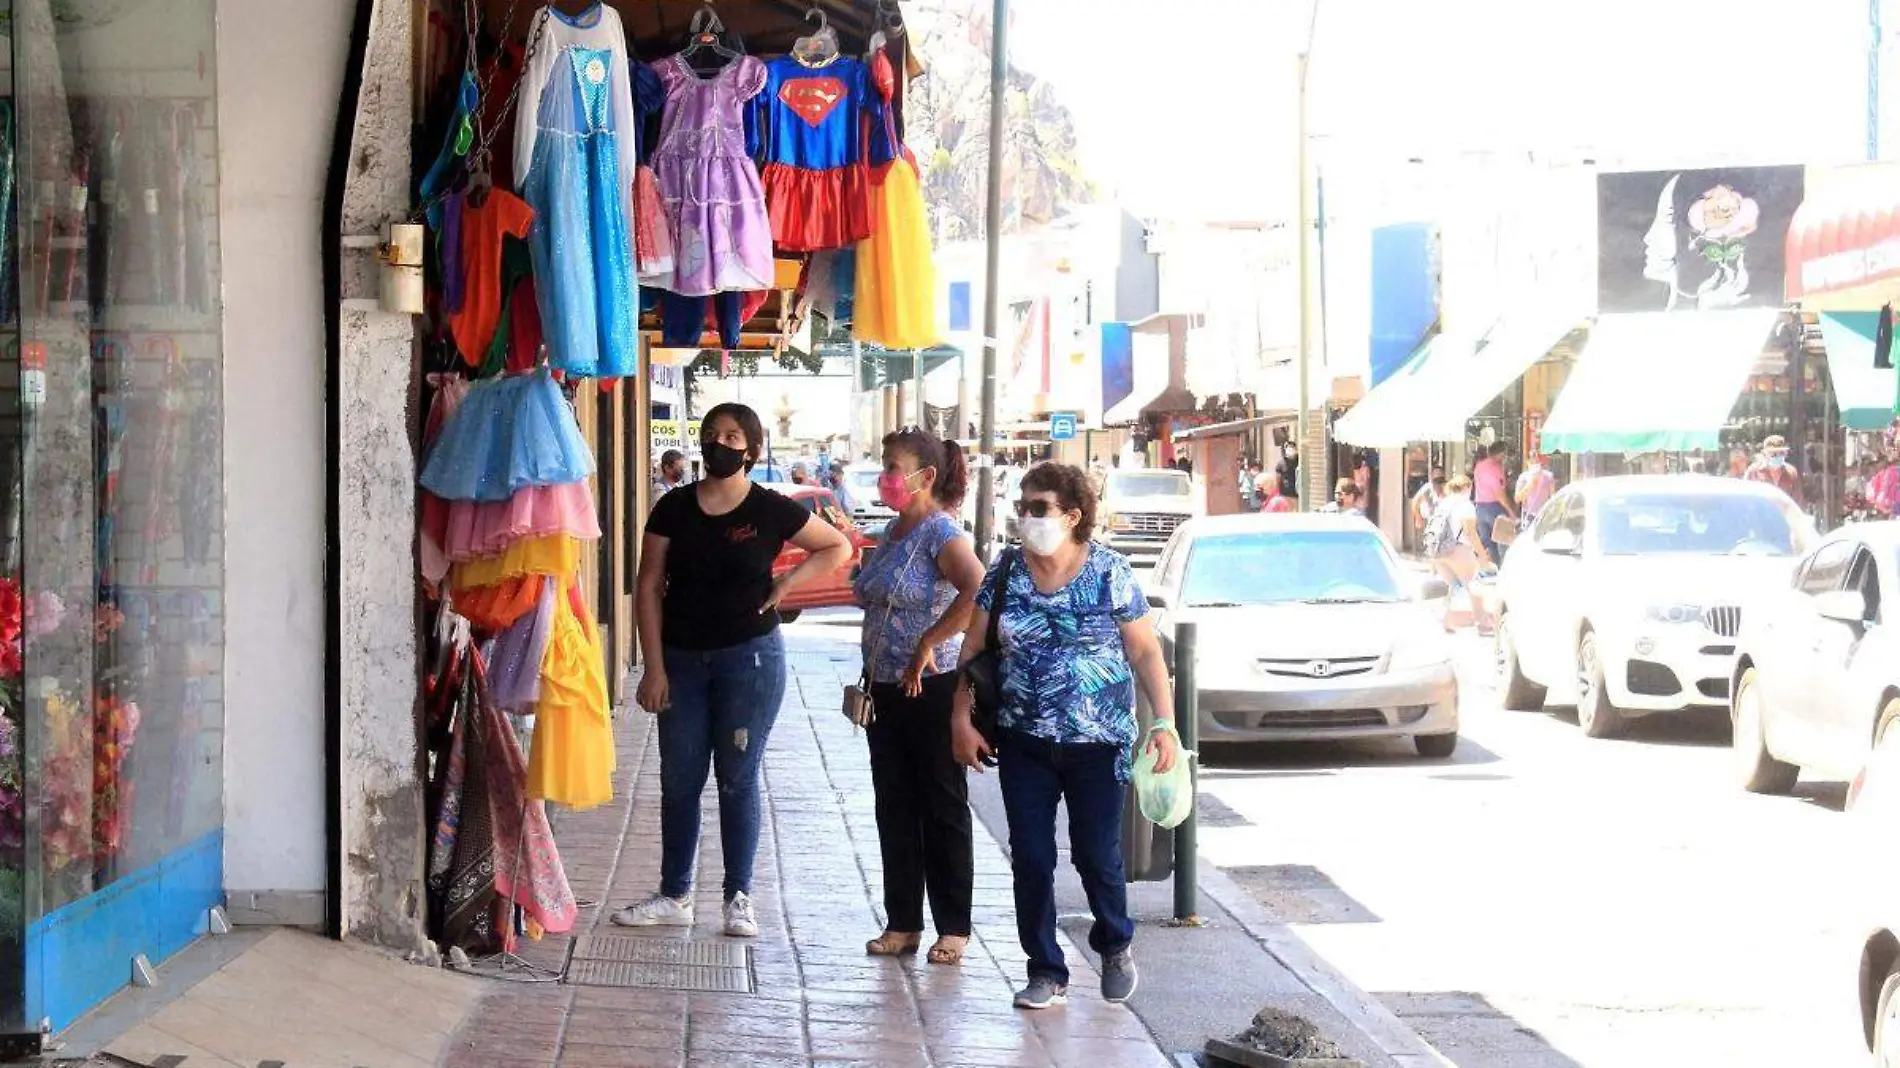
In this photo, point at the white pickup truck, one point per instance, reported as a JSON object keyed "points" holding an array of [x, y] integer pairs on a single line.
{"points": [[1140, 509]]}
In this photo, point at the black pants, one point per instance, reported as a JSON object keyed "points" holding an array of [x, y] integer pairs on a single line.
{"points": [[923, 808]]}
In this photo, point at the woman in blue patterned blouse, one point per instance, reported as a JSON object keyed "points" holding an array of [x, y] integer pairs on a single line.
{"points": [[1076, 641], [917, 591]]}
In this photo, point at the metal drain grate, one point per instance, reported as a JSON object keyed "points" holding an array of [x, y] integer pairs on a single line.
{"points": [[662, 964]]}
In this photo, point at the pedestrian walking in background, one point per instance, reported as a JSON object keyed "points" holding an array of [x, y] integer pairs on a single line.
{"points": [[801, 475], [1424, 501], [1347, 499], [715, 661], [1490, 494], [1075, 642], [1535, 487], [1775, 469], [1455, 545], [672, 475], [918, 592], [1274, 500], [836, 483]]}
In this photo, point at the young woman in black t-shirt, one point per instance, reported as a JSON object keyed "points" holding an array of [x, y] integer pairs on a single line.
{"points": [[715, 663]]}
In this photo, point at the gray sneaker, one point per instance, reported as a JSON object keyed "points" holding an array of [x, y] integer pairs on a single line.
{"points": [[1042, 993], [656, 911], [1119, 977]]}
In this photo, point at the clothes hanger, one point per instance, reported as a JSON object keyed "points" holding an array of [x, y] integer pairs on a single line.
{"points": [[821, 47], [706, 34]]}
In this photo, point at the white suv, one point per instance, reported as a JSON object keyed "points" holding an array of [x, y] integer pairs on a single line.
{"points": [[1626, 598]]}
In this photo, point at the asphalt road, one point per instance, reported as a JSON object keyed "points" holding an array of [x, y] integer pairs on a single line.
{"points": [[1542, 900]]}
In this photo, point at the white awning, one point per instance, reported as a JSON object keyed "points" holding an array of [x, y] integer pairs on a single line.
{"points": [[1450, 379], [1658, 381]]}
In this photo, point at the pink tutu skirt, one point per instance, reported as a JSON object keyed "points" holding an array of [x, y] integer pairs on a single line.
{"points": [[486, 528], [652, 244]]}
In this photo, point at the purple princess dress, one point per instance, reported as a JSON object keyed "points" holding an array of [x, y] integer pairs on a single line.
{"points": [[715, 207]]}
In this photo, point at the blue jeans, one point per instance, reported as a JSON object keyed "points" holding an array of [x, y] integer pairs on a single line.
{"points": [[1035, 774], [1488, 514], [724, 702]]}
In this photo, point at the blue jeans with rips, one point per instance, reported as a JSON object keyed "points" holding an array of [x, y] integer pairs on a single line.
{"points": [[1035, 774], [724, 702]]}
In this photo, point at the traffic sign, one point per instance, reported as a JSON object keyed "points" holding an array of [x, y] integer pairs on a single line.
{"points": [[1062, 426]]}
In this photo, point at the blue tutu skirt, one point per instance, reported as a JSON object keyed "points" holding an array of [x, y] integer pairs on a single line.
{"points": [[508, 434]]}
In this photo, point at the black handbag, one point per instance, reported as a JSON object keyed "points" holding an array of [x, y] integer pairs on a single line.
{"points": [[983, 674]]}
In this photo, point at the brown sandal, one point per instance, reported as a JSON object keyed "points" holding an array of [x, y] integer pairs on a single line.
{"points": [[949, 949], [894, 944]]}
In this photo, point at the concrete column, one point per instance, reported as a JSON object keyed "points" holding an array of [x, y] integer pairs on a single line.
{"points": [[381, 818]]}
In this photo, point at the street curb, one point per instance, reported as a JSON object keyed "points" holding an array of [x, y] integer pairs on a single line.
{"points": [[1362, 1010]]}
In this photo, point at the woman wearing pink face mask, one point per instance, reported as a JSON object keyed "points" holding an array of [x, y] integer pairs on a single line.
{"points": [[918, 591]]}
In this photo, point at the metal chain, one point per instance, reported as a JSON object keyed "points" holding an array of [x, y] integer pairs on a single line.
{"points": [[484, 135]]}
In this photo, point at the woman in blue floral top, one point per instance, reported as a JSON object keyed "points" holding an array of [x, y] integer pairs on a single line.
{"points": [[917, 592], [1076, 641]]}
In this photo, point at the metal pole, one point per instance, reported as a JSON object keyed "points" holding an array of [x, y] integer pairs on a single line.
{"points": [[1187, 710], [992, 268], [917, 385], [1305, 476]]}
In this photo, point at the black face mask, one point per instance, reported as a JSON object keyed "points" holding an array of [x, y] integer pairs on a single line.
{"points": [[722, 460]]}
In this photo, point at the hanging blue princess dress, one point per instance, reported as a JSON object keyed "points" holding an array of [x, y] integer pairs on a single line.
{"points": [[576, 153]]}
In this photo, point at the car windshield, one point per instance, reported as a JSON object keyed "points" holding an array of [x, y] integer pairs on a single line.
{"points": [[862, 480], [1700, 525], [1323, 566], [1148, 484]]}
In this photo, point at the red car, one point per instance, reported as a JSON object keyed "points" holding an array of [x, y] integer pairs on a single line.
{"points": [[830, 591]]}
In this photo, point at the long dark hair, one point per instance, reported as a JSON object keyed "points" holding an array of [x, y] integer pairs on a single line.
{"points": [[929, 450], [749, 425]]}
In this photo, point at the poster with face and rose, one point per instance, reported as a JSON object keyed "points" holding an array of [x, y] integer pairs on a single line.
{"points": [[1694, 240]]}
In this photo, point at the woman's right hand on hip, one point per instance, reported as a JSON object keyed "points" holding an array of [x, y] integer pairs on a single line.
{"points": [[654, 693]]}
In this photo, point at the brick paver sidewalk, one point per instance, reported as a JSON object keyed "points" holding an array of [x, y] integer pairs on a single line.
{"points": [[820, 1000]]}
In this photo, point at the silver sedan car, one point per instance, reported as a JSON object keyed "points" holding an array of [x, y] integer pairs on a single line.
{"points": [[1310, 629]]}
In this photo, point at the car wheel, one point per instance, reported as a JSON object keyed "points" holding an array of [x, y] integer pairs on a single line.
{"points": [[1887, 1023], [1884, 759], [790, 615], [1759, 771], [1435, 746], [1595, 714], [1520, 693]]}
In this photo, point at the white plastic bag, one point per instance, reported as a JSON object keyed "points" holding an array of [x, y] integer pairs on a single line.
{"points": [[1166, 799]]}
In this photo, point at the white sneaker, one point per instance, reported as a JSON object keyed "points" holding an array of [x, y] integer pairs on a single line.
{"points": [[657, 911], [740, 922]]}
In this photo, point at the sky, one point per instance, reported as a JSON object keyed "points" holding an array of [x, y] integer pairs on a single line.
{"points": [[1195, 110]]}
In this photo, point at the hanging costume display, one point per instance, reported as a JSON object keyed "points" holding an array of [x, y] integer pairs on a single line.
{"points": [[714, 204], [810, 133], [895, 303], [575, 160], [506, 513], [544, 282]]}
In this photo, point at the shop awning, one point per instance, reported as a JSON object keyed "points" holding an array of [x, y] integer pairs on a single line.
{"points": [[1434, 394], [1844, 243], [1657, 381], [1867, 394], [1160, 368], [1391, 415]]}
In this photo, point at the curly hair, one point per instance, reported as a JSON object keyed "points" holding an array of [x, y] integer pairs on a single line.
{"points": [[953, 474], [1072, 490]]}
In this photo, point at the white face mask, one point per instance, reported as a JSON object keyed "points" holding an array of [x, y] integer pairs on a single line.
{"points": [[1045, 535]]}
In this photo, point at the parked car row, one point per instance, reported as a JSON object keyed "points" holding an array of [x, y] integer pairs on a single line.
{"points": [[1646, 596]]}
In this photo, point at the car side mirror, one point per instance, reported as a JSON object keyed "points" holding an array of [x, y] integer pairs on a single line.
{"points": [[1159, 598], [1842, 606], [1434, 589], [1560, 542]]}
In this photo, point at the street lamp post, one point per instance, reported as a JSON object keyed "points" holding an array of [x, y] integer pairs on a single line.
{"points": [[992, 267], [1309, 472]]}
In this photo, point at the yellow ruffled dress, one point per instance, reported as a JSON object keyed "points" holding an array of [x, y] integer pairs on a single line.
{"points": [[896, 299], [572, 759]]}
